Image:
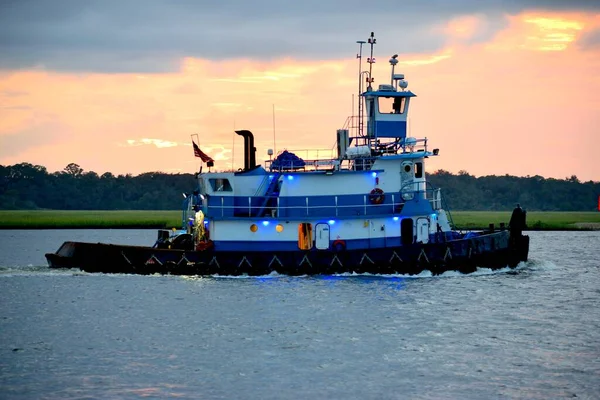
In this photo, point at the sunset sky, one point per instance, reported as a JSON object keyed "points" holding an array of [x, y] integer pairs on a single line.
{"points": [[504, 87]]}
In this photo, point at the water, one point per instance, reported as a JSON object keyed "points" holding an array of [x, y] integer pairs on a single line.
{"points": [[531, 333]]}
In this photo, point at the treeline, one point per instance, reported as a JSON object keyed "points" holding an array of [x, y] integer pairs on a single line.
{"points": [[25, 186], [535, 193]]}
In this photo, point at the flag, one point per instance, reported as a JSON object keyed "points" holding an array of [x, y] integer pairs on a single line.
{"points": [[199, 153]]}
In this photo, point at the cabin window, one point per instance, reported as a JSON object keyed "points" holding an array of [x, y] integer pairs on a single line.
{"points": [[220, 185], [418, 170], [391, 105], [399, 105]]}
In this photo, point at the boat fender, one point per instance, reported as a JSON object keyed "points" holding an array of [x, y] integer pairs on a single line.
{"points": [[339, 245], [376, 196], [201, 246]]}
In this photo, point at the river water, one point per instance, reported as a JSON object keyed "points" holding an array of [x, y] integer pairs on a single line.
{"points": [[532, 333]]}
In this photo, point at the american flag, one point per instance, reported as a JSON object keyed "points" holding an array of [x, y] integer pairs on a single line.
{"points": [[199, 153]]}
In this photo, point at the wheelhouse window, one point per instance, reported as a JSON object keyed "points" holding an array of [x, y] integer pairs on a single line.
{"points": [[220, 185], [391, 105]]}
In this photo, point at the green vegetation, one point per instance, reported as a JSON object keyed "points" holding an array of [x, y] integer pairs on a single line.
{"points": [[536, 220], [58, 219], [465, 220], [31, 187]]}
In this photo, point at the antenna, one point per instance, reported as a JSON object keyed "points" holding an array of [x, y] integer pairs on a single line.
{"points": [[393, 62], [371, 60], [233, 147], [360, 103], [274, 145]]}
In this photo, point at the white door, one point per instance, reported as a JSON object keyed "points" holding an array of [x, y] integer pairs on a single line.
{"points": [[422, 230], [322, 236]]}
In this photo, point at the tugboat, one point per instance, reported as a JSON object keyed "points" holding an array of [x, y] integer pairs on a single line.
{"points": [[366, 208]]}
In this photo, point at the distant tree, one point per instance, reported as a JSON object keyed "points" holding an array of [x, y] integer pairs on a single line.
{"points": [[73, 170]]}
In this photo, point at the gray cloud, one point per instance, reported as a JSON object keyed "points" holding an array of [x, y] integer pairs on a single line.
{"points": [[590, 40], [152, 35]]}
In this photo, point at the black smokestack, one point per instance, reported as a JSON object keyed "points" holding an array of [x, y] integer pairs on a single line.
{"points": [[249, 149]]}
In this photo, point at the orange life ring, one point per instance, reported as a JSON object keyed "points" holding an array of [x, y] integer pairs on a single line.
{"points": [[376, 196]]}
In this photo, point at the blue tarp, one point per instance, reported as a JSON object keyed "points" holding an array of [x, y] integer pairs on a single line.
{"points": [[287, 160]]}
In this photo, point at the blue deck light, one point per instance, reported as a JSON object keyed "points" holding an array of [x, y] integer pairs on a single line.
{"points": [[374, 174], [331, 222], [265, 223], [290, 177], [395, 218]]}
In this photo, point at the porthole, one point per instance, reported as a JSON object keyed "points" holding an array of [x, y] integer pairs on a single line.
{"points": [[253, 228], [279, 228], [407, 168]]}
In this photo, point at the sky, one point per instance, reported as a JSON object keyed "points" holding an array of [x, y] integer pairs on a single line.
{"points": [[503, 87]]}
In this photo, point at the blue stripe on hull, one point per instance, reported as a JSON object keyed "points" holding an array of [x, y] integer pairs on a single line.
{"points": [[356, 244]]}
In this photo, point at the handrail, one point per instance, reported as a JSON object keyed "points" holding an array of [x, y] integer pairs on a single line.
{"points": [[278, 208], [261, 187], [392, 204]]}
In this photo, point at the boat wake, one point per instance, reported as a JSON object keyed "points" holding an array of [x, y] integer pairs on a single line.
{"points": [[523, 266], [37, 270]]}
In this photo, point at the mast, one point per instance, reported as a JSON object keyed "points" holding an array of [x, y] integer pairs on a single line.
{"points": [[360, 101], [370, 79], [371, 60]]}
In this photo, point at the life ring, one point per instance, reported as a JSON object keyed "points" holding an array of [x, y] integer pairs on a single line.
{"points": [[338, 245], [376, 196]]}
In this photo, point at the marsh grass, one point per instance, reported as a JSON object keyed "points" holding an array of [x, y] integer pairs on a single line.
{"points": [[536, 220], [58, 219], [465, 220]]}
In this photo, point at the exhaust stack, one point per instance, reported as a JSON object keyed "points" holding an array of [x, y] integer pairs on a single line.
{"points": [[249, 149]]}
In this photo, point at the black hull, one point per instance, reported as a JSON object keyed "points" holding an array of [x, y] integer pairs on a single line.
{"points": [[494, 251]]}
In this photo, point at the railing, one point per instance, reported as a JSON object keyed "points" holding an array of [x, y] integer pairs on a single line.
{"points": [[262, 188], [311, 160], [253, 208], [358, 164], [422, 190], [322, 206], [382, 145]]}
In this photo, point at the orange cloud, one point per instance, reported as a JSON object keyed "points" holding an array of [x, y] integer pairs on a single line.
{"points": [[505, 105], [544, 32]]}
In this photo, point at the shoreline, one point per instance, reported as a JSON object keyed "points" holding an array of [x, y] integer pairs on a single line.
{"points": [[169, 219]]}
